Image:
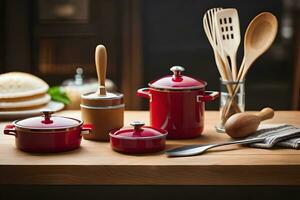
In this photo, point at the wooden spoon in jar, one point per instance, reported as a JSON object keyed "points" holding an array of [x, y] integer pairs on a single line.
{"points": [[259, 36], [244, 124]]}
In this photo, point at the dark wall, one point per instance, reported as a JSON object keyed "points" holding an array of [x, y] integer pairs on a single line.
{"points": [[18, 36], [2, 35]]}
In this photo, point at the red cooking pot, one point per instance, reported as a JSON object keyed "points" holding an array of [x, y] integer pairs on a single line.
{"points": [[47, 133], [177, 104], [140, 139]]}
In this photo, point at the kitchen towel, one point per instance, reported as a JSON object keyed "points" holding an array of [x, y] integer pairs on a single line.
{"points": [[284, 135]]}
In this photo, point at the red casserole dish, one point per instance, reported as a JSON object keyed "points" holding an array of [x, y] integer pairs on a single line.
{"points": [[137, 140], [47, 133]]}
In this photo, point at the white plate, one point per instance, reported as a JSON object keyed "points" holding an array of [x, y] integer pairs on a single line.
{"points": [[52, 105]]}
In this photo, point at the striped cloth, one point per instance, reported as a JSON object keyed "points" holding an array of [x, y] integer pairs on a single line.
{"points": [[287, 136]]}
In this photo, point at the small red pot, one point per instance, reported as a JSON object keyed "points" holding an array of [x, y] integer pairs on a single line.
{"points": [[47, 134], [177, 104], [137, 140]]}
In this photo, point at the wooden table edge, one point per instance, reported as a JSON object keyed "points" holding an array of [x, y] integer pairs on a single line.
{"points": [[150, 175]]}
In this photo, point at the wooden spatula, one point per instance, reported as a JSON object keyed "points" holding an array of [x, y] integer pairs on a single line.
{"points": [[229, 36], [210, 31], [209, 28]]}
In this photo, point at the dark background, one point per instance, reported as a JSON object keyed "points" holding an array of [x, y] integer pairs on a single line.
{"points": [[144, 38]]}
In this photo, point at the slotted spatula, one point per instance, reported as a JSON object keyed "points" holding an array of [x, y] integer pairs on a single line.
{"points": [[228, 35], [210, 31], [208, 25]]}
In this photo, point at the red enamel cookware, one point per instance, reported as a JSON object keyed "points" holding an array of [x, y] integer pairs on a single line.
{"points": [[177, 104], [47, 133], [140, 139]]}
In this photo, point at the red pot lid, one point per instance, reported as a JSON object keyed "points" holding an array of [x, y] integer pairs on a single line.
{"points": [[139, 132], [47, 122], [177, 81]]}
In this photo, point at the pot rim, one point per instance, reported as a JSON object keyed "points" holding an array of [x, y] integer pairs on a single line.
{"points": [[50, 130], [179, 89]]}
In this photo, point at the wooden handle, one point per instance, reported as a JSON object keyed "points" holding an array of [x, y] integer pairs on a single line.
{"points": [[101, 62], [266, 113]]}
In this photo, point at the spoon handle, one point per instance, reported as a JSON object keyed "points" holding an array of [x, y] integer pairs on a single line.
{"points": [[101, 62], [245, 141], [191, 150], [266, 113]]}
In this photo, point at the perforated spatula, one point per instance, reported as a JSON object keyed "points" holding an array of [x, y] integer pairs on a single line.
{"points": [[228, 34]]}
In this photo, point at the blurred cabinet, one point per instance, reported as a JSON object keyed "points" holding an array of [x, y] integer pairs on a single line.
{"points": [[51, 38], [66, 33]]}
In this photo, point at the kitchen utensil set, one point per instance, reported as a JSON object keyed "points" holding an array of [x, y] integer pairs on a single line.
{"points": [[223, 32], [259, 36], [177, 102], [222, 29]]}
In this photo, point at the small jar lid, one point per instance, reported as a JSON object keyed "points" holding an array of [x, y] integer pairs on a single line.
{"points": [[96, 96], [47, 122], [138, 132], [92, 99], [177, 81]]}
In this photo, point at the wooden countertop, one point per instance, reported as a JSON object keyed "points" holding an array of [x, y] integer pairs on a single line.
{"points": [[97, 163]]}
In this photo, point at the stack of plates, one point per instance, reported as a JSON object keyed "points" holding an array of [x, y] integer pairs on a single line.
{"points": [[23, 95]]}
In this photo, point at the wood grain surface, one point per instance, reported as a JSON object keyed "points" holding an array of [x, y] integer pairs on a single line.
{"points": [[97, 163]]}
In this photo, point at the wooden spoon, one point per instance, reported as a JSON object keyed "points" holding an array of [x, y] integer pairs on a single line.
{"points": [[243, 124], [101, 63], [259, 36]]}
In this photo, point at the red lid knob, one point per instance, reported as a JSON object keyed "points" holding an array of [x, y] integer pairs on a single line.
{"points": [[177, 72], [47, 115]]}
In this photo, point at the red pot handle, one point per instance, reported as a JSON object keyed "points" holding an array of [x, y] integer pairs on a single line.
{"points": [[10, 130], [144, 92], [208, 96], [86, 129]]}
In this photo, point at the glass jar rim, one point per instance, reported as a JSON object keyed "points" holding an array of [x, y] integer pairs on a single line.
{"points": [[232, 82]]}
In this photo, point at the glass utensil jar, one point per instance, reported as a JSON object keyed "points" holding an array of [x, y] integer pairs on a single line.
{"points": [[232, 100]]}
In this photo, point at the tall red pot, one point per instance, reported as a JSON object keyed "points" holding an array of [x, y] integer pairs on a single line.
{"points": [[177, 104]]}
